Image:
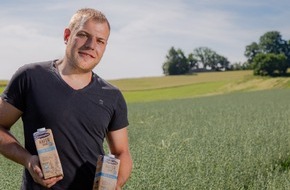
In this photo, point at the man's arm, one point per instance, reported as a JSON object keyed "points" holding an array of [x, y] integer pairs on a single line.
{"points": [[119, 146], [9, 146], [13, 150]]}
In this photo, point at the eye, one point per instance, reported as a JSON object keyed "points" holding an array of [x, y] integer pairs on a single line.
{"points": [[101, 42], [82, 35]]}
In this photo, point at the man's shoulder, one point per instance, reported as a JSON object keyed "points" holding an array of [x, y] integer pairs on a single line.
{"points": [[36, 68], [37, 65], [32, 69]]}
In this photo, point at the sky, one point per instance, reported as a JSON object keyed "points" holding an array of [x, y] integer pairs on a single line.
{"points": [[142, 31]]}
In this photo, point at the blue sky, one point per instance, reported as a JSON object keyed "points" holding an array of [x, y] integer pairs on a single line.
{"points": [[142, 31]]}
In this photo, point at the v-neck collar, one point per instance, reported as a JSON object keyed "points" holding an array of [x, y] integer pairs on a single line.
{"points": [[66, 85]]}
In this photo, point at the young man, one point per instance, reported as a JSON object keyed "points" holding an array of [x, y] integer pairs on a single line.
{"points": [[81, 109]]}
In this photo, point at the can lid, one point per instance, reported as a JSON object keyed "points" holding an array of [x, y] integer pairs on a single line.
{"points": [[41, 129]]}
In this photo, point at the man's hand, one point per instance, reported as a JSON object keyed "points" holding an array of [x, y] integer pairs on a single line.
{"points": [[119, 146], [37, 175]]}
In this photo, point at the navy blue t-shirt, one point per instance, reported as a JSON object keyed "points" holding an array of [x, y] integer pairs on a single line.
{"points": [[79, 119]]}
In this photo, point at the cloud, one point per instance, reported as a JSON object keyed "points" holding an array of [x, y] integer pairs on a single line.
{"points": [[22, 44], [142, 31]]}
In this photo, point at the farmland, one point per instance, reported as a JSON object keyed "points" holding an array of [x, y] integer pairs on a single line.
{"points": [[189, 86], [234, 141], [215, 132]]}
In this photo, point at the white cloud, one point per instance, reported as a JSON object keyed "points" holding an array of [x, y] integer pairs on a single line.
{"points": [[142, 31]]}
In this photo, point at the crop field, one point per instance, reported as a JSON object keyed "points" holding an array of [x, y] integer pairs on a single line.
{"points": [[232, 141], [227, 130]]}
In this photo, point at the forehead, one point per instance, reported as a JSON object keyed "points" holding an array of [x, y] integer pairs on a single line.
{"points": [[95, 27]]}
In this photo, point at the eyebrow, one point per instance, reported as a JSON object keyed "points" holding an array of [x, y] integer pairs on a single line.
{"points": [[87, 33]]}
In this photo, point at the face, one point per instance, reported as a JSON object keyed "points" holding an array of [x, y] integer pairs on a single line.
{"points": [[86, 45]]}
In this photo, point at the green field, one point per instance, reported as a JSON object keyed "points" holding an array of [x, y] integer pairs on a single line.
{"points": [[2, 85], [237, 138], [202, 84]]}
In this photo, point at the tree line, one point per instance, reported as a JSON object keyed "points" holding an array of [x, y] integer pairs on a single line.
{"points": [[270, 56]]}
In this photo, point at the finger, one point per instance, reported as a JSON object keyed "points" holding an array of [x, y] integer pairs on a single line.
{"points": [[59, 178], [50, 185], [38, 171], [51, 181]]}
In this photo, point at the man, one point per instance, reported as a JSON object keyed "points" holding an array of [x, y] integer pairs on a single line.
{"points": [[81, 109]]}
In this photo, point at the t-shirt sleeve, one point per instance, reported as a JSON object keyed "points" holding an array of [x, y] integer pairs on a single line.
{"points": [[14, 92], [120, 117]]}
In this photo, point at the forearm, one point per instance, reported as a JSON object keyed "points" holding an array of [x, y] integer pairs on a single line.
{"points": [[125, 168], [12, 149]]}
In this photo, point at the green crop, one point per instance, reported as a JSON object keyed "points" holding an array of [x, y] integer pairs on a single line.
{"points": [[233, 141]]}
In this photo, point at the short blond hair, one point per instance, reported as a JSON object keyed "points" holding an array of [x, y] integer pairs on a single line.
{"points": [[85, 14]]}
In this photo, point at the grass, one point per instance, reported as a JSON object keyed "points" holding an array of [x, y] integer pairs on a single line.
{"points": [[151, 83], [3, 83], [237, 138], [202, 84], [10, 172], [233, 141], [188, 91]]}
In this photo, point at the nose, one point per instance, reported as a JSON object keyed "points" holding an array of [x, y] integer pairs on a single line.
{"points": [[91, 44]]}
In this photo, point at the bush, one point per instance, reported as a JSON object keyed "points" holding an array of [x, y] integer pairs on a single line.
{"points": [[270, 64]]}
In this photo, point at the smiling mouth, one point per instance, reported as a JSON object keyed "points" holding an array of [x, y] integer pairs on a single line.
{"points": [[86, 54]]}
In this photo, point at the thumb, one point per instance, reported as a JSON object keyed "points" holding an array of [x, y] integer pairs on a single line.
{"points": [[38, 171]]}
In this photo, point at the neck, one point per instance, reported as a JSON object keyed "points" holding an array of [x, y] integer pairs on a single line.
{"points": [[74, 78]]}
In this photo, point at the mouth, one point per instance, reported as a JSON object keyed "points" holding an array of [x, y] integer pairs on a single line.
{"points": [[86, 54]]}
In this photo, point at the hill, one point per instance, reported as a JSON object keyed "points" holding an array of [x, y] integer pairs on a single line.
{"points": [[201, 84], [188, 86]]}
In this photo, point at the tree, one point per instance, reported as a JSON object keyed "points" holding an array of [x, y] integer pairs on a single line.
{"points": [[209, 58], [269, 43], [193, 62], [267, 64], [251, 51], [222, 62], [238, 66], [176, 63], [202, 55], [272, 42]]}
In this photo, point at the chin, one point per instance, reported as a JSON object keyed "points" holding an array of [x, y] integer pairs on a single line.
{"points": [[88, 68]]}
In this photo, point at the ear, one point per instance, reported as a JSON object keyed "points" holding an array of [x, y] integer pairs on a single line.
{"points": [[66, 35]]}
